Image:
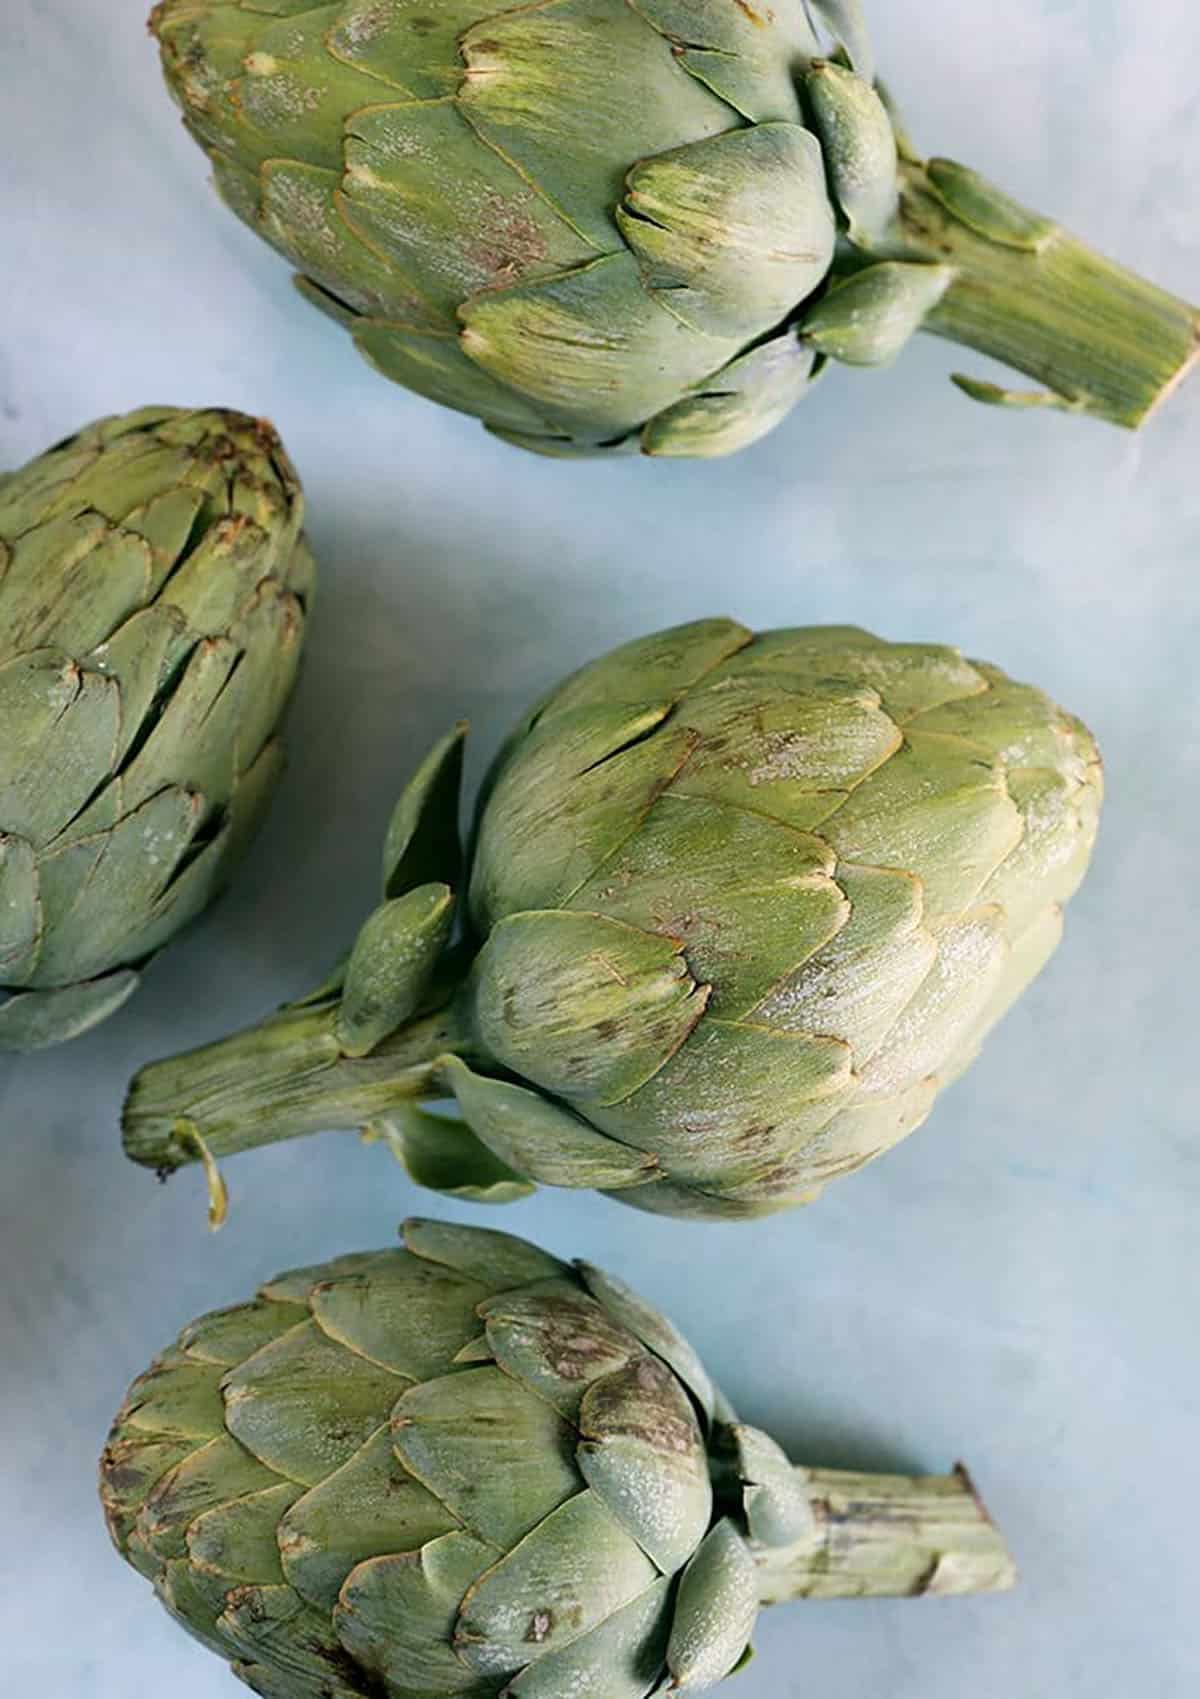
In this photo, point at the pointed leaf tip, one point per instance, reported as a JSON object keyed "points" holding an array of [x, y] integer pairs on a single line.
{"points": [[392, 964], [423, 842]]}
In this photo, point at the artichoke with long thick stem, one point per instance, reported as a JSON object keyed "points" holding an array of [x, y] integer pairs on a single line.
{"points": [[466, 1470], [614, 224], [737, 907], [153, 588]]}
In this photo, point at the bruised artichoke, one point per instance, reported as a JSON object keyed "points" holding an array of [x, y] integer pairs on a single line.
{"points": [[465, 1468], [153, 585], [737, 908], [614, 224]]}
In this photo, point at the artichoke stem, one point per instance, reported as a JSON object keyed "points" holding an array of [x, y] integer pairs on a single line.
{"points": [[888, 1536], [278, 1080], [1098, 338]]}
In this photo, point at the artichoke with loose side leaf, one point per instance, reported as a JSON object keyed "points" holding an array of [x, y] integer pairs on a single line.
{"points": [[465, 1469], [154, 583], [736, 908], [613, 225]]}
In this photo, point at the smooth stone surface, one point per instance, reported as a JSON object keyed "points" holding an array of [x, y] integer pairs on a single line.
{"points": [[1018, 1283]]}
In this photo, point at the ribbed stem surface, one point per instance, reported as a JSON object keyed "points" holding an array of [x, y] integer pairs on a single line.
{"points": [[1099, 339], [889, 1536], [278, 1080]]}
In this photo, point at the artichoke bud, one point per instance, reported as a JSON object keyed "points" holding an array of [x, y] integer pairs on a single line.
{"points": [[465, 1466], [736, 908], [572, 220], [866, 318], [153, 591], [859, 146]]}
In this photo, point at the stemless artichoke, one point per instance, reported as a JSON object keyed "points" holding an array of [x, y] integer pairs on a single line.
{"points": [[153, 583], [467, 1468], [739, 906], [600, 224]]}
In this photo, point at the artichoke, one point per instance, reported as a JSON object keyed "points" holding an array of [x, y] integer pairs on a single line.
{"points": [[153, 585], [620, 224], [468, 1468], [737, 908]]}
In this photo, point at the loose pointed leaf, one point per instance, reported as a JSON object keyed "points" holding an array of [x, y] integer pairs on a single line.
{"points": [[444, 1155], [32, 1020], [987, 209], [391, 966], [533, 1136], [847, 21], [777, 1503], [423, 843], [715, 1610], [859, 147], [866, 319]]}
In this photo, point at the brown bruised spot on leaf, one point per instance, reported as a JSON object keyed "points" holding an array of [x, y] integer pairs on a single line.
{"points": [[509, 242], [756, 18], [755, 1134], [574, 1336], [541, 1625], [661, 1416], [120, 1472], [191, 57], [246, 1598]]}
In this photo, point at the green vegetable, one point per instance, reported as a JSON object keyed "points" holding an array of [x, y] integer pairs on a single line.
{"points": [[622, 224], [467, 1468], [737, 907], [153, 586]]}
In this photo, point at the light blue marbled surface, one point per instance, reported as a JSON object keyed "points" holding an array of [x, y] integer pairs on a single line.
{"points": [[1018, 1283]]}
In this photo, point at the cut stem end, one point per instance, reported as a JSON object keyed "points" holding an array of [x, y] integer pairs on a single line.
{"points": [[889, 1536], [1098, 338]]}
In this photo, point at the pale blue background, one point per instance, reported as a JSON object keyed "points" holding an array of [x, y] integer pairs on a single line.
{"points": [[1017, 1284]]}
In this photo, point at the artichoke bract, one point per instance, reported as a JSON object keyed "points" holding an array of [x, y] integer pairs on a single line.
{"points": [[153, 586], [620, 224], [467, 1468], [737, 907]]}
